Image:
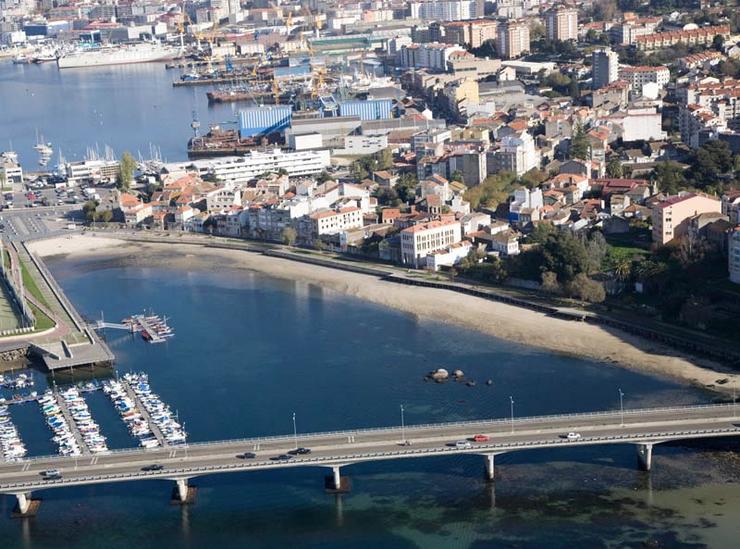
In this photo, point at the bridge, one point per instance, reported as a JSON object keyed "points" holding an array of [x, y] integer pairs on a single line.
{"points": [[643, 428]]}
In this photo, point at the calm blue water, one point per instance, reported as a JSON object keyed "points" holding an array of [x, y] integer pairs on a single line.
{"points": [[127, 107], [249, 350]]}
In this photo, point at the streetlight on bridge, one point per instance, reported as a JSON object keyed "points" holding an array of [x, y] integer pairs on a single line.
{"points": [[403, 427], [295, 432], [621, 405], [511, 400]]}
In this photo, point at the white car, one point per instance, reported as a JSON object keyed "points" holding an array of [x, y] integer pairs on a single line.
{"points": [[573, 436], [463, 444]]}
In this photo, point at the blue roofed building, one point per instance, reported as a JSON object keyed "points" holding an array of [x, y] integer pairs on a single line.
{"points": [[370, 109], [257, 121]]}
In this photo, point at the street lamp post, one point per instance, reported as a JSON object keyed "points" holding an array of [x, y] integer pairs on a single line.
{"points": [[621, 406], [511, 400], [295, 432], [403, 427]]}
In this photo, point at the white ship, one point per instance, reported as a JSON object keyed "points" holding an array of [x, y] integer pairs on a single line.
{"points": [[118, 55]]}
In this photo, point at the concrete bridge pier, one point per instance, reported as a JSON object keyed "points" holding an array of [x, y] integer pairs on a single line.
{"points": [[336, 484], [490, 469], [25, 506], [645, 456], [182, 493]]}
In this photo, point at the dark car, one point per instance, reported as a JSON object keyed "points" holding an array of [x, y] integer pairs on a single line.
{"points": [[153, 467], [247, 455], [282, 457], [300, 451]]}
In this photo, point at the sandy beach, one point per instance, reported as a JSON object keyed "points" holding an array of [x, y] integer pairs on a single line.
{"points": [[497, 319]]}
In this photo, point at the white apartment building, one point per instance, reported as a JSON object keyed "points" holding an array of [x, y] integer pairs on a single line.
{"points": [[10, 170], [512, 39], [449, 10], [336, 221], [223, 199], [561, 23], [517, 154], [91, 170], [605, 67], [432, 55], [420, 240], [243, 169], [734, 256], [637, 77]]}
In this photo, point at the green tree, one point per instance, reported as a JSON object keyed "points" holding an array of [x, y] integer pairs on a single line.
{"points": [[126, 169], [614, 167], [406, 187], [323, 177], [106, 216], [565, 255], [88, 208], [533, 178], [713, 160], [718, 42], [457, 175], [597, 249], [494, 190], [579, 145], [584, 288], [669, 176], [289, 236]]}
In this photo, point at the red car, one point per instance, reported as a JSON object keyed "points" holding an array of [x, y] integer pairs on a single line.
{"points": [[480, 438]]}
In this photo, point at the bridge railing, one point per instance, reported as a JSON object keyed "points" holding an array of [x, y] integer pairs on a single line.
{"points": [[410, 429], [358, 457]]}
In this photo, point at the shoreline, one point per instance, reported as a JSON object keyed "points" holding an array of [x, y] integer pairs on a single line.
{"points": [[508, 322]]}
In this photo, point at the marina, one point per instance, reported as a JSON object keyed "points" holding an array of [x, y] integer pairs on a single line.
{"points": [[68, 442], [163, 423], [11, 445], [153, 328], [74, 404], [124, 401]]}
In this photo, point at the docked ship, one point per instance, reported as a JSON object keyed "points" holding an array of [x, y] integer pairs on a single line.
{"points": [[145, 52]]}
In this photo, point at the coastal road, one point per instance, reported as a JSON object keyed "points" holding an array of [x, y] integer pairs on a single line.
{"points": [[648, 426]]}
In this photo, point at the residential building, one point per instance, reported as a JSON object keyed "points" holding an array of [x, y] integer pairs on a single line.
{"points": [[734, 255], [526, 205], [637, 77], [561, 23], [517, 154], [605, 67], [243, 169], [10, 170], [449, 256], [420, 240], [446, 10], [432, 55], [134, 210], [335, 221], [626, 32], [470, 33], [693, 37], [512, 39], [671, 216]]}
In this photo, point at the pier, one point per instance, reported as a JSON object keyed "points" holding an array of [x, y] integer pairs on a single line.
{"points": [[72, 424], [70, 342], [642, 428], [156, 431]]}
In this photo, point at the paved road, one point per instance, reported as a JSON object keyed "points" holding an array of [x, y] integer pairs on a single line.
{"points": [[346, 447]]}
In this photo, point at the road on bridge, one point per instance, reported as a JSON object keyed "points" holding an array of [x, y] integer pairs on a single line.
{"points": [[346, 447]]}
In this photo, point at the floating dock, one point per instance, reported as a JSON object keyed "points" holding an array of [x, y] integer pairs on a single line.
{"points": [[156, 431]]}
